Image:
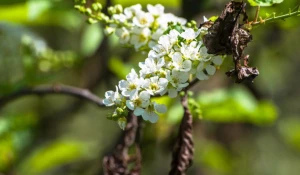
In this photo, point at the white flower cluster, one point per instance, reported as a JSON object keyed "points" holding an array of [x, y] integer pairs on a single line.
{"points": [[167, 70], [141, 29]]}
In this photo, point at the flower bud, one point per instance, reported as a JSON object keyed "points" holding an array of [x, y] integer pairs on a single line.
{"points": [[95, 7], [111, 10], [119, 111], [88, 11], [118, 8], [109, 30], [92, 21]]}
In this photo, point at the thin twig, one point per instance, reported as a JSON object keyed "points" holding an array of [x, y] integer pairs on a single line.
{"points": [[257, 13], [275, 18], [53, 89]]}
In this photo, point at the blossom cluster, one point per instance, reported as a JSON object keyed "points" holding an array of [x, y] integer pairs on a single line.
{"points": [[178, 56], [142, 29], [133, 26]]}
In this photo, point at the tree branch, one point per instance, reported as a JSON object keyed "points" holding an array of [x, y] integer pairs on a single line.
{"points": [[184, 149], [117, 163], [54, 89]]}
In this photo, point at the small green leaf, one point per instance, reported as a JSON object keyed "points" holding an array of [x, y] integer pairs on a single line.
{"points": [[213, 18]]}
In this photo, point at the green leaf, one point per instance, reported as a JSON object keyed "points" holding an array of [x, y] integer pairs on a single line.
{"points": [[213, 18], [264, 2]]}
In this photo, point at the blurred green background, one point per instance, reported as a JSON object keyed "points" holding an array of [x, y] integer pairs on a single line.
{"points": [[240, 129]]}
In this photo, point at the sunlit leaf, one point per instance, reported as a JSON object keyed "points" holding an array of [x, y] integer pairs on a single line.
{"points": [[213, 18]]}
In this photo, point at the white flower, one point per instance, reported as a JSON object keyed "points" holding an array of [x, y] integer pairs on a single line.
{"points": [[165, 18], [189, 34], [140, 37], [132, 10], [167, 41], [143, 19], [155, 85], [157, 51], [138, 101], [151, 65], [191, 50], [158, 33], [149, 113], [200, 74], [156, 10], [180, 64], [173, 36], [131, 84], [123, 34], [210, 70], [204, 56], [119, 17], [178, 81], [112, 98]]}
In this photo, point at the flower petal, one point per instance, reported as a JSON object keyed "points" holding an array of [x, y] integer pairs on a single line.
{"points": [[138, 111], [130, 105], [211, 70], [172, 93], [160, 108], [201, 75]]}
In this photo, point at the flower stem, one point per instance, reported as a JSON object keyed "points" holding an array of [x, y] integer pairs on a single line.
{"points": [[257, 13]]}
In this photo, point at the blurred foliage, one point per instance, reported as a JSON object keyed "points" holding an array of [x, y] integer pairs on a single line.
{"points": [[114, 66], [41, 12], [229, 105], [47, 41], [36, 62], [236, 105], [38, 58], [15, 135], [52, 155], [214, 156], [290, 131]]}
